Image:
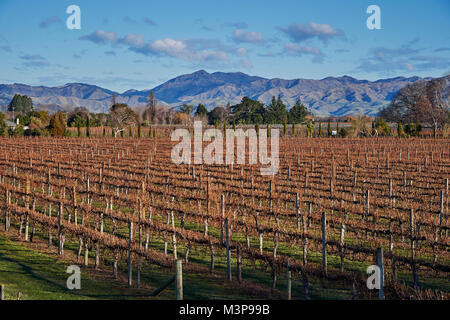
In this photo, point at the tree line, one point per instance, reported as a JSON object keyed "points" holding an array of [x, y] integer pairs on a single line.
{"points": [[419, 104]]}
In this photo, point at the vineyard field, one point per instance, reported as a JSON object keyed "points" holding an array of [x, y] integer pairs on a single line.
{"points": [[122, 205]]}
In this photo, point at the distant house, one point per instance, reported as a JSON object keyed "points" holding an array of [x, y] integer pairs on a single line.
{"points": [[13, 125]]}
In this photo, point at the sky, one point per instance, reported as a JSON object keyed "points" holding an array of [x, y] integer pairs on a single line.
{"points": [[140, 44]]}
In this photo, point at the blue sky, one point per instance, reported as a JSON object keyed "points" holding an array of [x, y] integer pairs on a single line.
{"points": [[140, 44]]}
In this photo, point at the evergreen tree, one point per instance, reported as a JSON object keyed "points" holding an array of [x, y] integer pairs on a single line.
{"points": [[276, 112], [88, 127], [3, 126], [418, 129], [249, 111], [20, 104], [201, 111], [298, 113]]}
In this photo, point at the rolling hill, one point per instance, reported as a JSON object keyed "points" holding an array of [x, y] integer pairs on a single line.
{"points": [[329, 96]]}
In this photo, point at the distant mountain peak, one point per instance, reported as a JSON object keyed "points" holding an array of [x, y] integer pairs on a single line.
{"points": [[338, 96], [200, 72]]}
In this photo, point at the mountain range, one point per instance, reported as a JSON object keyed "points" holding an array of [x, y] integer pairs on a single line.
{"points": [[329, 96]]}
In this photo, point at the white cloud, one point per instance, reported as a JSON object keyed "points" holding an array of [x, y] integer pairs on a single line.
{"points": [[133, 39], [240, 35], [100, 37], [242, 52], [300, 32], [294, 49], [180, 49]]}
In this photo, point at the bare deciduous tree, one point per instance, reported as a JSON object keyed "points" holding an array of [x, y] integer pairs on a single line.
{"points": [[424, 102], [121, 116], [151, 111], [434, 108], [404, 106]]}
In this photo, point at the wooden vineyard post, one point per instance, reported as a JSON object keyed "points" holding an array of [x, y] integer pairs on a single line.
{"points": [[270, 195], [49, 228], [306, 181], [324, 242], [228, 250], [87, 191], [75, 213], [380, 266], [27, 206], [391, 249], [48, 182], [390, 188], [297, 211], [260, 234], [275, 238], [130, 242], [331, 188], [289, 282], [60, 227], [305, 240], [115, 265], [222, 210], [147, 232], [174, 238], [8, 217], [86, 252], [165, 234], [207, 206], [211, 249], [309, 214], [179, 280], [341, 247], [411, 235], [239, 264], [441, 212], [367, 212]]}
